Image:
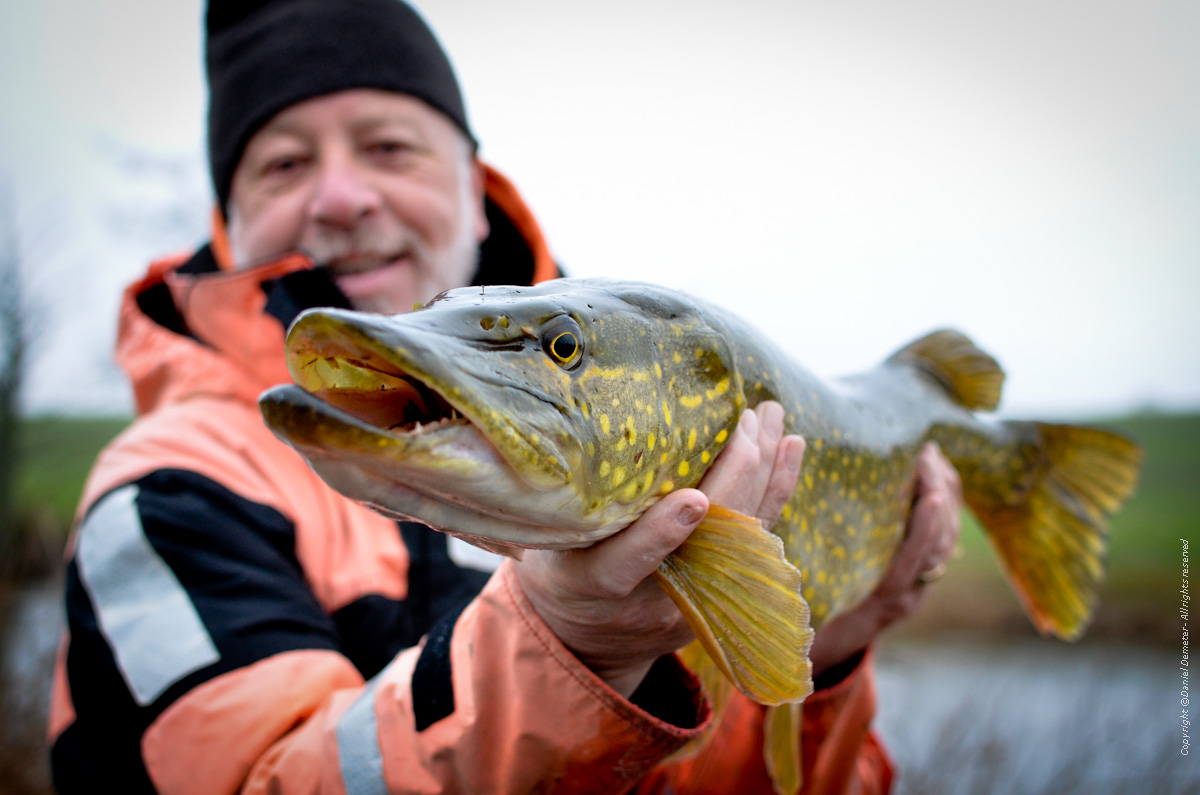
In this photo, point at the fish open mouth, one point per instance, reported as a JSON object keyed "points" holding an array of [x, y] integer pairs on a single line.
{"points": [[390, 400], [375, 387], [360, 379]]}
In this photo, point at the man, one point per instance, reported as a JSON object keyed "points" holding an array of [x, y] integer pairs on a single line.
{"points": [[235, 625]]}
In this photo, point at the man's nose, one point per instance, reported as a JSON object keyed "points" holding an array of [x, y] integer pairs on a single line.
{"points": [[343, 194]]}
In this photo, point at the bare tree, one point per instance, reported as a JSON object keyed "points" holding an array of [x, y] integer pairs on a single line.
{"points": [[17, 320]]}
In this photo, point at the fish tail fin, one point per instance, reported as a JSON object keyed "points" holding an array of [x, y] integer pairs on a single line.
{"points": [[972, 377], [1052, 533], [741, 597]]}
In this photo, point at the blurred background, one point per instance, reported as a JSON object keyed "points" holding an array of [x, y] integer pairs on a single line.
{"points": [[847, 175]]}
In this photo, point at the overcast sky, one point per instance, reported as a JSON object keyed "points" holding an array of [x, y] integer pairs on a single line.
{"points": [[849, 175]]}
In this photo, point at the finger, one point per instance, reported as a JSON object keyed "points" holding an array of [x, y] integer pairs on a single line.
{"points": [[936, 473], [914, 553], [615, 566], [785, 474], [938, 476], [735, 479]]}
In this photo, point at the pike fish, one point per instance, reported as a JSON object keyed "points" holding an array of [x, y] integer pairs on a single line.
{"points": [[553, 416]]}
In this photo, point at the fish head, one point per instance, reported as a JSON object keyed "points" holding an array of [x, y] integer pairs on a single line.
{"points": [[547, 416]]}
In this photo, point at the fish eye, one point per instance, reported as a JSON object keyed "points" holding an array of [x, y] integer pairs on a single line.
{"points": [[562, 340]]}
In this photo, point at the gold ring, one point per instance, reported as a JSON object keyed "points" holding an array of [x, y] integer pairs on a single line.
{"points": [[930, 575]]}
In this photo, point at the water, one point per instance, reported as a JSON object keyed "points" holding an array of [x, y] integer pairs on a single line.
{"points": [[30, 638], [966, 714]]}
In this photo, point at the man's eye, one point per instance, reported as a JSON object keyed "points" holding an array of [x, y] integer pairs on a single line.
{"points": [[281, 165], [391, 149]]}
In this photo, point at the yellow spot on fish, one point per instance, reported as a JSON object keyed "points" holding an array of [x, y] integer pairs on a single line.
{"points": [[839, 552], [822, 577], [604, 426], [837, 518], [631, 491], [618, 476], [692, 439], [658, 369], [584, 408], [666, 412], [605, 468], [818, 444], [834, 476], [650, 440], [704, 457], [691, 401], [591, 448], [722, 436], [667, 487], [684, 468]]}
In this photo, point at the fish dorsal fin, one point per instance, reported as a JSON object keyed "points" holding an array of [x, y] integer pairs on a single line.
{"points": [[971, 376]]}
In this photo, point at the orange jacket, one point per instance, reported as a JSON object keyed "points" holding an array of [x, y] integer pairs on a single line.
{"points": [[234, 625]]}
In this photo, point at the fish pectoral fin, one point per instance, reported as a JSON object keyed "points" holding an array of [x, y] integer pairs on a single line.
{"points": [[972, 377], [742, 599]]}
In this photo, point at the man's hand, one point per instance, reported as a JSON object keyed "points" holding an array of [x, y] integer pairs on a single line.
{"points": [[601, 602], [932, 533]]}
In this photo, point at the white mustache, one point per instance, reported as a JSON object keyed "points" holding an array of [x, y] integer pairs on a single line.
{"points": [[360, 248]]}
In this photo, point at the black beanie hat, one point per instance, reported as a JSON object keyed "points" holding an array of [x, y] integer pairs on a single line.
{"points": [[264, 56]]}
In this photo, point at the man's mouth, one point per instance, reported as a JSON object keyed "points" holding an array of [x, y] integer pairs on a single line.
{"points": [[356, 263]]}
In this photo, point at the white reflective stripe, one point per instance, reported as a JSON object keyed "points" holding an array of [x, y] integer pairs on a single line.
{"points": [[359, 754], [143, 610], [469, 556]]}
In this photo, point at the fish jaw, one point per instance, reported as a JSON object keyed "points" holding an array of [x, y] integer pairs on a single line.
{"points": [[449, 477], [397, 374], [412, 442]]}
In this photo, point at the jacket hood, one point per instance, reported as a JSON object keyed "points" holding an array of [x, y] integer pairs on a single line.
{"points": [[194, 326]]}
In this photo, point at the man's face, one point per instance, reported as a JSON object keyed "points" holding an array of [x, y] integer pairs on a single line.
{"points": [[376, 185]]}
